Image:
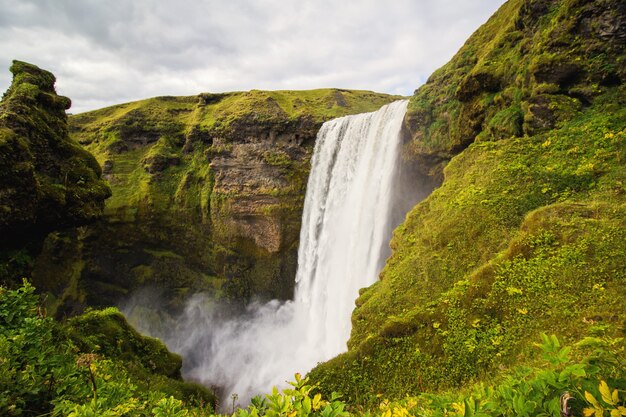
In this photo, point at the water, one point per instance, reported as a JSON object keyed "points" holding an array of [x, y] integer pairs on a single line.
{"points": [[346, 225], [346, 220]]}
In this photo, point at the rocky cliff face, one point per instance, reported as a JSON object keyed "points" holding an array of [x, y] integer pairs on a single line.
{"points": [[47, 181], [525, 130], [207, 192]]}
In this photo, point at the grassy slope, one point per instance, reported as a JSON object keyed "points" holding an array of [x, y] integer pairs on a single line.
{"points": [[526, 234]]}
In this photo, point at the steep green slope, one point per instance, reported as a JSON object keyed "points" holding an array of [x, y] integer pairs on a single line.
{"points": [[47, 180], [207, 192], [527, 232]]}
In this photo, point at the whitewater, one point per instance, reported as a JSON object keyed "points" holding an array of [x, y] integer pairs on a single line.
{"points": [[346, 226]]}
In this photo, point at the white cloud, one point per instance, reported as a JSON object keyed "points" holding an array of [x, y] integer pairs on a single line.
{"points": [[107, 52]]}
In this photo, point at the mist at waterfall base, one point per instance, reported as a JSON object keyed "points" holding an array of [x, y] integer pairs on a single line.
{"points": [[353, 202]]}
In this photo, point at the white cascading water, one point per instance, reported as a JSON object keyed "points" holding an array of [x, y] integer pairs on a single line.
{"points": [[345, 222], [343, 241]]}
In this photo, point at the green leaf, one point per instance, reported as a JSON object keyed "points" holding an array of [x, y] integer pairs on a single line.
{"points": [[469, 407], [306, 405]]}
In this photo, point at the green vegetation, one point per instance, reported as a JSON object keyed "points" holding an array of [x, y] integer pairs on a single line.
{"points": [[92, 365], [96, 365], [527, 232]]}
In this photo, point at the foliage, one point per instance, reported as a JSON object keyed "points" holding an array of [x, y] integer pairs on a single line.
{"points": [[36, 363], [300, 401], [43, 372]]}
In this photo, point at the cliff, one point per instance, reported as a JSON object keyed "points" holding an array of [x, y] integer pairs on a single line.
{"points": [[48, 185], [525, 129], [47, 181], [531, 67], [207, 193]]}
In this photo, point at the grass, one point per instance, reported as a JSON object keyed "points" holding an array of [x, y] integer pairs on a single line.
{"points": [[525, 233]]}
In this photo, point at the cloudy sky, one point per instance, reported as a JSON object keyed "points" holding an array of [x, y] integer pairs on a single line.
{"points": [[112, 51]]}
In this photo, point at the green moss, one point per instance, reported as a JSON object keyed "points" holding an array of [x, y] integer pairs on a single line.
{"points": [[525, 234], [47, 180], [107, 332], [541, 51]]}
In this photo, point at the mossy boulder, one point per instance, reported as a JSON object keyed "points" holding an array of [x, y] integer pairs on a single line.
{"points": [[106, 332], [526, 233], [47, 180]]}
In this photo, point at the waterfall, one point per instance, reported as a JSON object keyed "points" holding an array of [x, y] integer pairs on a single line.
{"points": [[346, 227], [345, 223]]}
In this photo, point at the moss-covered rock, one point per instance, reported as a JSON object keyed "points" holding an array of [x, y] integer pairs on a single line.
{"points": [[526, 233], [106, 332], [534, 64], [208, 191], [47, 180]]}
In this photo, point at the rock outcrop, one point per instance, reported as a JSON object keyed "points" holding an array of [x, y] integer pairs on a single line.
{"points": [[532, 66], [47, 180]]}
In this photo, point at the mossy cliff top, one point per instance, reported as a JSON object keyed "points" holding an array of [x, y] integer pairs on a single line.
{"points": [[47, 180], [527, 232], [533, 65], [162, 132]]}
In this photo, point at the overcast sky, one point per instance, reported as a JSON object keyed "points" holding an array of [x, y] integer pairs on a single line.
{"points": [[106, 52]]}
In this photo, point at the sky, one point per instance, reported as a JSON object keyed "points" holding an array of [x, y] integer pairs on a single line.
{"points": [[106, 52]]}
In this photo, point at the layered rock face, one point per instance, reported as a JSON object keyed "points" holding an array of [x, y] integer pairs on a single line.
{"points": [[207, 192], [47, 181]]}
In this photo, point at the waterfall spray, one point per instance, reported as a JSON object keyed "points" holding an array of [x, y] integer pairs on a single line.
{"points": [[346, 225]]}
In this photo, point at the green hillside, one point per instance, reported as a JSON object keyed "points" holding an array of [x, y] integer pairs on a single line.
{"points": [[526, 127]]}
